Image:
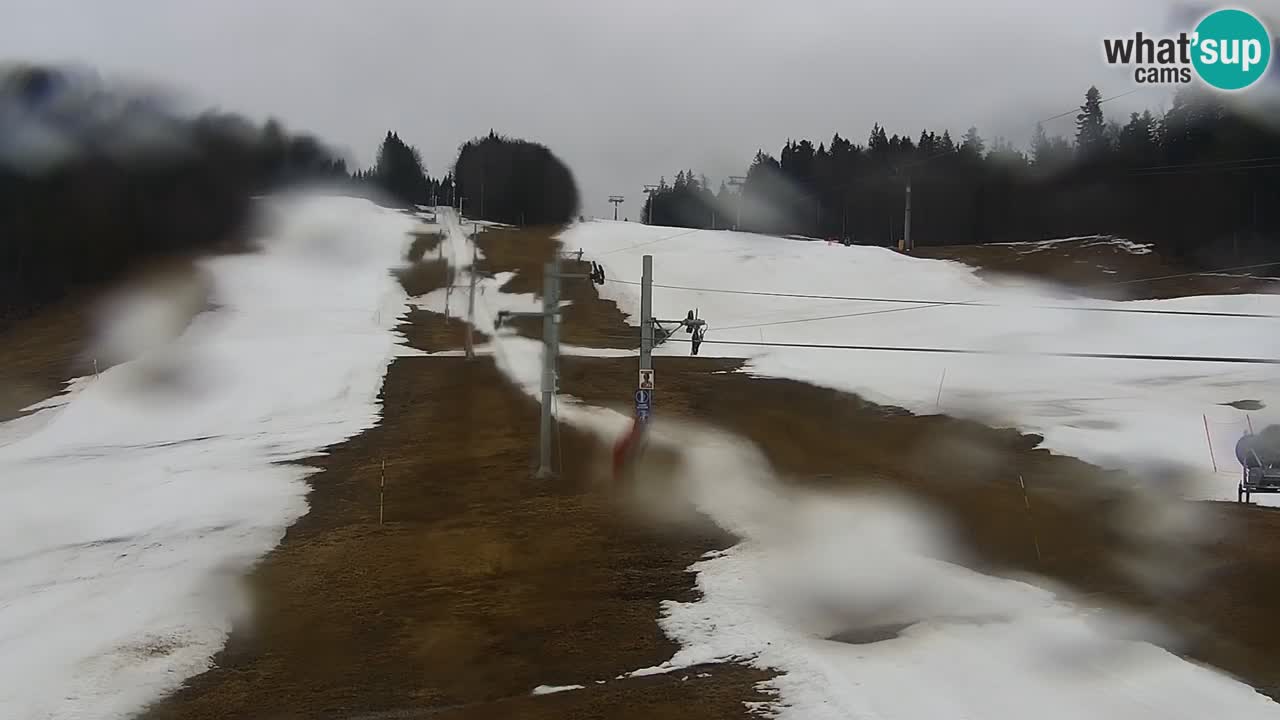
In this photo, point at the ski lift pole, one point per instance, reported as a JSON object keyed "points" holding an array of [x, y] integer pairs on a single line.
{"points": [[550, 353], [550, 348], [471, 307], [907, 242], [644, 390]]}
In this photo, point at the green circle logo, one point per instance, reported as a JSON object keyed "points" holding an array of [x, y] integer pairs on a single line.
{"points": [[1232, 49]]}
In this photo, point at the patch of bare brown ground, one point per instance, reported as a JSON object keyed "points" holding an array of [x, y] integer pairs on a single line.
{"points": [[41, 352], [588, 321], [1100, 267]]}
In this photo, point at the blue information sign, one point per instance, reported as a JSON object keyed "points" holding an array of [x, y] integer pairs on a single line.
{"points": [[644, 399]]}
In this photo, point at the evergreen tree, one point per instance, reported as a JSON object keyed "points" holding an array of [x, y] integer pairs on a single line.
{"points": [[114, 197], [1039, 145], [1005, 154], [514, 181], [1188, 179], [973, 144], [928, 144], [1091, 133], [399, 171], [1049, 154], [878, 142], [1138, 141]]}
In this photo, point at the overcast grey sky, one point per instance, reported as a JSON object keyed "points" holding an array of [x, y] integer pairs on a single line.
{"points": [[623, 91]]}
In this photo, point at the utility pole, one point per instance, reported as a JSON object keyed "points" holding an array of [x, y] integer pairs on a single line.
{"points": [[471, 308], [652, 192], [649, 326], [738, 181], [550, 316], [906, 221], [550, 353], [616, 200], [645, 386]]}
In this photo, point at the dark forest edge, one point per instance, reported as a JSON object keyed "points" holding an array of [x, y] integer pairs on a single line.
{"points": [[494, 177], [97, 177], [1201, 181]]}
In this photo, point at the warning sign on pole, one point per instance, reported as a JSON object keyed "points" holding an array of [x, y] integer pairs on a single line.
{"points": [[646, 379]]}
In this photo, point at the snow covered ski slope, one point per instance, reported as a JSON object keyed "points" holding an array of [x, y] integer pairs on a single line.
{"points": [[1117, 413], [130, 506]]}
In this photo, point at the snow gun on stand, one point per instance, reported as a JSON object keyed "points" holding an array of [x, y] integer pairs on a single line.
{"points": [[1259, 457]]}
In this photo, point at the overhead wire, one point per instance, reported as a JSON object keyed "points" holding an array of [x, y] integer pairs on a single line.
{"points": [[1230, 360], [1239, 268], [1195, 171], [968, 303], [918, 304], [840, 316], [1208, 164], [1007, 353], [650, 242], [1101, 102]]}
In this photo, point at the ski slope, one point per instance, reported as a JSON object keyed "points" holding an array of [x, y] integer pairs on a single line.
{"points": [[131, 505], [1116, 413], [958, 644]]}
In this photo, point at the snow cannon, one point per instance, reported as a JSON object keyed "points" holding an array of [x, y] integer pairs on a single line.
{"points": [[1259, 457], [1260, 450]]}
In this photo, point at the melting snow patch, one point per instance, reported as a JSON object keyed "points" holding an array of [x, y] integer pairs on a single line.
{"points": [[130, 508], [1084, 241], [655, 670], [552, 689]]}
